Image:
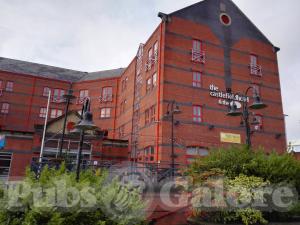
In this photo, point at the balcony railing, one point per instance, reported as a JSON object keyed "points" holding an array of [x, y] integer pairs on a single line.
{"points": [[198, 56], [105, 98], [57, 99], [80, 100], [255, 70]]}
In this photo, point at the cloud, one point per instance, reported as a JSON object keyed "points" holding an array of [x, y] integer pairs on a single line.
{"points": [[103, 34]]}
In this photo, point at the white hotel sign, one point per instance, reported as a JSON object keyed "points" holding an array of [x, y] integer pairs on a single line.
{"points": [[226, 98]]}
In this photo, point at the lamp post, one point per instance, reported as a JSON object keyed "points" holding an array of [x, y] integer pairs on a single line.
{"points": [[68, 97], [233, 111], [174, 109], [85, 124]]}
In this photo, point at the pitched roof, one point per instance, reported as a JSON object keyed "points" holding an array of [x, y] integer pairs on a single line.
{"points": [[52, 72], [207, 12]]}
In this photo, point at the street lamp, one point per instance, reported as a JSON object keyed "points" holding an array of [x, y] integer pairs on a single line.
{"points": [[257, 104], [68, 97], [174, 109], [85, 124]]}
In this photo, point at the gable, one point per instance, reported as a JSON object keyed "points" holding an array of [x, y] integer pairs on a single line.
{"points": [[208, 13], [55, 126]]}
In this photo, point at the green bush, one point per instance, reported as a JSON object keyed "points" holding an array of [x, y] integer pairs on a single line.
{"points": [[238, 160], [243, 168], [101, 202]]}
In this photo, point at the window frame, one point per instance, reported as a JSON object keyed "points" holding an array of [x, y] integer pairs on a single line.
{"points": [[197, 83], [149, 85], [9, 87], [46, 94], [56, 113], [106, 114], [5, 110], [42, 113], [196, 117], [154, 79], [59, 97], [107, 96], [256, 87], [147, 116], [261, 122], [152, 113], [84, 95], [200, 45]]}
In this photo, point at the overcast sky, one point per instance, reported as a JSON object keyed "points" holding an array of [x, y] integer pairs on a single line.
{"points": [[92, 35]]}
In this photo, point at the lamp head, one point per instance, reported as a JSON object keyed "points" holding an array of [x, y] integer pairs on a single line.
{"points": [[87, 122], [176, 110], [69, 95], [233, 110], [257, 104]]}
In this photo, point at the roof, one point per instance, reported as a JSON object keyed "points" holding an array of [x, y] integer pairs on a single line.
{"points": [[207, 12], [52, 72]]}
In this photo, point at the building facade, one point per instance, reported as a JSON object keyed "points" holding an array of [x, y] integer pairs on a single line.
{"points": [[197, 60]]}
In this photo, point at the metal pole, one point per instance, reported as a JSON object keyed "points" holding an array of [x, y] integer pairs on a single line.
{"points": [[64, 128], [45, 127], [172, 139], [247, 126], [79, 155]]}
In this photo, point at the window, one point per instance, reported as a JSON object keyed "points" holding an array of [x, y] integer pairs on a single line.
{"points": [[107, 94], [58, 95], [148, 85], [9, 86], [124, 83], [0, 87], [83, 94], [197, 52], [155, 47], [256, 90], [55, 113], [258, 120], [149, 61], [43, 112], [123, 106], [150, 53], [105, 113], [197, 114], [149, 153], [196, 151], [154, 79], [46, 91], [5, 108], [197, 79], [152, 114], [255, 68], [122, 131], [147, 116], [197, 45]]}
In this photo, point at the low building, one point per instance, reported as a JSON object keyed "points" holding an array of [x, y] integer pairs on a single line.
{"points": [[294, 148]]}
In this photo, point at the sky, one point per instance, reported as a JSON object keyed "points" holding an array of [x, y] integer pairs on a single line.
{"points": [[93, 35]]}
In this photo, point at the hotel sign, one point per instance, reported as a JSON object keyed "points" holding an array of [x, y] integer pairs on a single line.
{"points": [[230, 138], [226, 98]]}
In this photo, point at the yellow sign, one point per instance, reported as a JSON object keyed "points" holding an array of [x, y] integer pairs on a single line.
{"points": [[230, 138]]}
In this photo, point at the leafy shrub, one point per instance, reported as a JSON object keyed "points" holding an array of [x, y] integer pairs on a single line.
{"points": [[101, 202], [244, 168]]}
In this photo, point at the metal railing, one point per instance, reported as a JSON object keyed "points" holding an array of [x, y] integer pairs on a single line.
{"points": [[255, 70], [198, 56]]}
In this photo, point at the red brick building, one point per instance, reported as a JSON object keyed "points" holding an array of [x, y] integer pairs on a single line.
{"points": [[193, 57]]}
